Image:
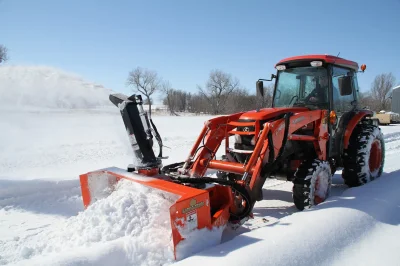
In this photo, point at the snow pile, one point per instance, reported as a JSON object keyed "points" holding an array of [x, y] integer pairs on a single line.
{"points": [[133, 224], [47, 87]]}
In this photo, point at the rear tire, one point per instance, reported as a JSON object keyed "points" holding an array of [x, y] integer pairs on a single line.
{"points": [[312, 183], [364, 158]]}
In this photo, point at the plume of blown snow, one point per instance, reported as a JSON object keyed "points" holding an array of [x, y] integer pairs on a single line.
{"points": [[37, 87]]}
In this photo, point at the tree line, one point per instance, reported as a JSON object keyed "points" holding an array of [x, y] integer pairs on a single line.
{"points": [[222, 93]]}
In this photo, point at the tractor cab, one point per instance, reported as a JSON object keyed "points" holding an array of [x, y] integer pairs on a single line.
{"points": [[319, 82], [315, 82]]}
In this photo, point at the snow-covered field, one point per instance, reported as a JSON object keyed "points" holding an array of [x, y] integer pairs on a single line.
{"points": [[42, 222], [41, 218]]}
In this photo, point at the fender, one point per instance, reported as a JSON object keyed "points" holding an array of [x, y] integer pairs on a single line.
{"points": [[358, 116]]}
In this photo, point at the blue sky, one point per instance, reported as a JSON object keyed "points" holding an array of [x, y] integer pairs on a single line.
{"points": [[184, 40]]}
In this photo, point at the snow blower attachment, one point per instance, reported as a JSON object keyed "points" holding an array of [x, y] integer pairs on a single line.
{"points": [[304, 137], [193, 209]]}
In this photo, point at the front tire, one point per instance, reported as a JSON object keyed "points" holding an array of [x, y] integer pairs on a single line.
{"points": [[364, 158], [312, 183]]}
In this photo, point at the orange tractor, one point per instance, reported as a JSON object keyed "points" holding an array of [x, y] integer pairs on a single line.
{"points": [[313, 128]]}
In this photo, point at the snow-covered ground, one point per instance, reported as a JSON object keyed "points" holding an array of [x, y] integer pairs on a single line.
{"points": [[42, 222], [42, 219]]}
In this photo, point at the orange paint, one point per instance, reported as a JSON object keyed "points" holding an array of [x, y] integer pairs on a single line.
{"points": [[326, 58], [231, 167], [352, 124], [149, 172], [332, 117], [85, 190]]}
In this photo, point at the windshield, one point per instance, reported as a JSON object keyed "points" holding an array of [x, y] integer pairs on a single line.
{"points": [[301, 86]]}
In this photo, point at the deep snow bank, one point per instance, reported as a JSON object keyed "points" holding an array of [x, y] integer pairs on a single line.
{"points": [[130, 227], [48, 87]]}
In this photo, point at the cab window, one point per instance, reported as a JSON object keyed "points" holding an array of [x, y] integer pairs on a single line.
{"points": [[341, 103]]}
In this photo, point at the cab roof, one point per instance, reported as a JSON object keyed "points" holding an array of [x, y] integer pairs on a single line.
{"points": [[330, 59]]}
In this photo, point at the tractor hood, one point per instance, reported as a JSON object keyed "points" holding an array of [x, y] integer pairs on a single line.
{"points": [[268, 113]]}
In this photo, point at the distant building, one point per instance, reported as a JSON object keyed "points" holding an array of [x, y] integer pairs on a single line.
{"points": [[396, 100]]}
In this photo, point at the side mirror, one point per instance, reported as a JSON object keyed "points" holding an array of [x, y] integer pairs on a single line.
{"points": [[345, 85], [260, 88]]}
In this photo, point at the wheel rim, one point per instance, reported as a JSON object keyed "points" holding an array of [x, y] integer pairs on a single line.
{"points": [[321, 187], [375, 157]]}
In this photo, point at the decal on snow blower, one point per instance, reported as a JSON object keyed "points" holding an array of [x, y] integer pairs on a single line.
{"points": [[193, 205], [191, 220]]}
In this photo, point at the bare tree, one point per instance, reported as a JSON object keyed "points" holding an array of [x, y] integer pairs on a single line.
{"points": [[380, 90], [199, 104], [3, 53], [218, 88], [366, 101], [169, 99], [176, 100], [144, 81], [182, 98], [148, 101]]}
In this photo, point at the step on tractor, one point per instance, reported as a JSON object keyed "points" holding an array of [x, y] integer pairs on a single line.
{"points": [[313, 128]]}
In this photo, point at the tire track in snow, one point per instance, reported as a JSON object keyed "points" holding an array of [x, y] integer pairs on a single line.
{"points": [[390, 137]]}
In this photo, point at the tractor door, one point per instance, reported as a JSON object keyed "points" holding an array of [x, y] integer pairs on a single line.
{"points": [[343, 101]]}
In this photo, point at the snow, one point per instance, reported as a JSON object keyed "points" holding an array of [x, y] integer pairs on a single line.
{"points": [[43, 222], [198, 240], [132, 217], [37, 87], [41, 208], [100, 185], [323, 175]]}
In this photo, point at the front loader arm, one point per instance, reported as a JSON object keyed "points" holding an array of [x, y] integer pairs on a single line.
{"points": [[274, 138], [270, 135], [208, 143]]}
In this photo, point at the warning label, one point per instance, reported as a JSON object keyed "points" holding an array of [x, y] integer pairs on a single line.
{"points": [[191, 220]]}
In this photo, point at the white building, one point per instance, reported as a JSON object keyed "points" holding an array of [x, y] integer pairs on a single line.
{"points": [[396, 99]]}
